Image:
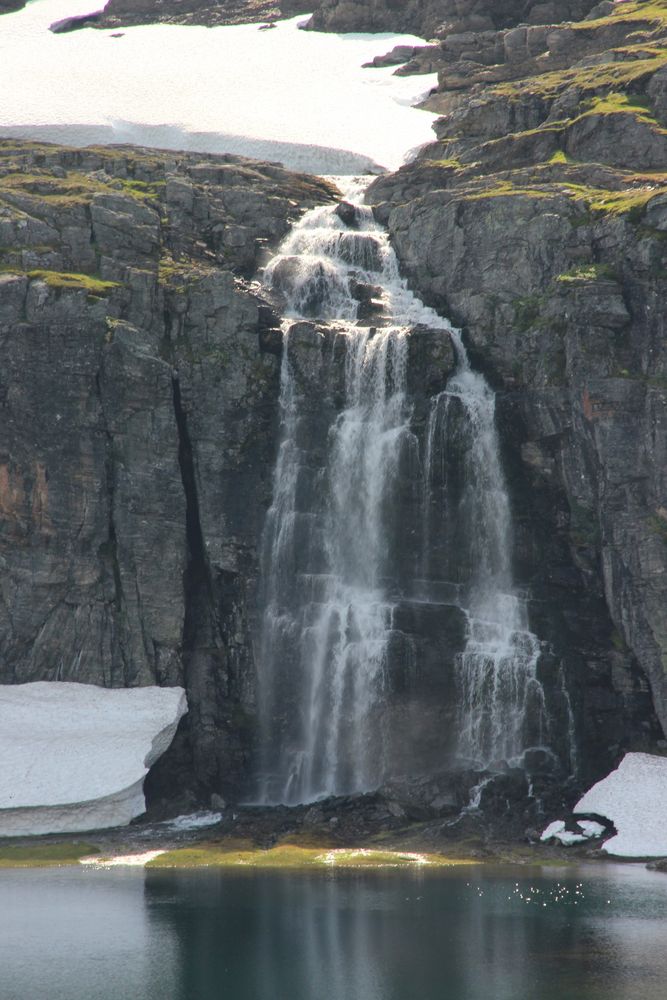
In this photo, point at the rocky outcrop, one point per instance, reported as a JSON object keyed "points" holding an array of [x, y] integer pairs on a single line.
{"points": [[138, 392], [125, 13], [441, 18], [536, 222]]}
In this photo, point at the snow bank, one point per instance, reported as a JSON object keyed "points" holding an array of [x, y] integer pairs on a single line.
{"points": [[74, 756], [299, 97], [634, 798]]}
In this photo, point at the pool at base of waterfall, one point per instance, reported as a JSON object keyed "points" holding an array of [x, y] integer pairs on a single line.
{"points": [[593, 932]]}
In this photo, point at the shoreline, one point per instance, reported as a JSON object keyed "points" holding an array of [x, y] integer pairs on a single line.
{"points": [[155, 849]]}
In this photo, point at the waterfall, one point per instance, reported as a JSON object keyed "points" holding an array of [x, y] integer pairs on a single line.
{"points": [[329, 545], [501, 708]]}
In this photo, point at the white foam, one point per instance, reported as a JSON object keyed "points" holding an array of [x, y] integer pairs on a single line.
{"points": [[300, 97], [634, 798], [74, 756]]}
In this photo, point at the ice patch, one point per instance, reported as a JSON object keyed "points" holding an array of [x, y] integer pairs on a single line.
{"points": [[634, 798], [74, 756], [194, 821], [591, 828], [299, 97], [557, 831]]}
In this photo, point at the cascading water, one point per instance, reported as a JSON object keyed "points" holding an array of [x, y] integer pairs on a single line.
{"points": [[332, 608], [330, 535], [501, 707]]}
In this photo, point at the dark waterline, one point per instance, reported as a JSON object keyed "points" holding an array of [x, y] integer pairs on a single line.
{"points": [[72, 934]]}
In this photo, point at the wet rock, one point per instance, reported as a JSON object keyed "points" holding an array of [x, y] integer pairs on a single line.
{"points": [[348, 214]]}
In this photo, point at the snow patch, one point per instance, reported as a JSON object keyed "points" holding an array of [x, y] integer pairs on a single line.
{"points": [[122, 860], [591, 828], [74, 756], [634, 798], [299, 97], [557, 831]]}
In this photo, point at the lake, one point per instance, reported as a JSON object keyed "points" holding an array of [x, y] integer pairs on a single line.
{"points": [[595, 932]]}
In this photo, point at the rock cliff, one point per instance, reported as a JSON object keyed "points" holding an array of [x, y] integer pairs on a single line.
{"points": [[140, 378], [138, 394], [537, 222]]}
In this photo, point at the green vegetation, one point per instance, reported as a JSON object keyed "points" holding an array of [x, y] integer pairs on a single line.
{"points": [[527, 312], [658, 524], [590, 80], [230, 855], [652, 14], [621, 104], [505, 188], [631, 201], [586, 272], [95, 287], [560, 157], [75, 188], [44, 855]]}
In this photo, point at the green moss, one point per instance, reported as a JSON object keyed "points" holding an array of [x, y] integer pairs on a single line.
{"points": [[585, 272], [621, 104], [630, 201], [589, 80], [658, 525], [44, 855], [83, 282], [73, 189], [142, 189], [503, 189], [653, 14], [560, 157], [227, 855], [584, 525], [526, 312]]}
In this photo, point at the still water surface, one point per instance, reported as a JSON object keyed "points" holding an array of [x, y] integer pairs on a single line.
{"points": [[594, 933]]}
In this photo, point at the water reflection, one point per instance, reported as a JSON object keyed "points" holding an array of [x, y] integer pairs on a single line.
{"points": [[91, 935]]}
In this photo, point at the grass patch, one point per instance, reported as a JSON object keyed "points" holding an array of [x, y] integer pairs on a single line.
{"points": [[292, 856], [589, 79], [560, 157], [586, 272], [44, 855], [95, 287], [77, 188], [631, 201], [621, 104], [654, 14], [506, 188]]}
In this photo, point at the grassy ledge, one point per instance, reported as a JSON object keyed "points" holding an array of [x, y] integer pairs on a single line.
{"points": [[286, 856], [44, 855], [79, 282]]}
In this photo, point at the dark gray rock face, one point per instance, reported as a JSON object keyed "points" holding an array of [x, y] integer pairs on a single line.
{"points": [[138, 394], [441, 17], [124, 13], [537, 223]]}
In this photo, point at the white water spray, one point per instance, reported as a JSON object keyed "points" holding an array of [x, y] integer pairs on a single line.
{"points": [[327, 606]]}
